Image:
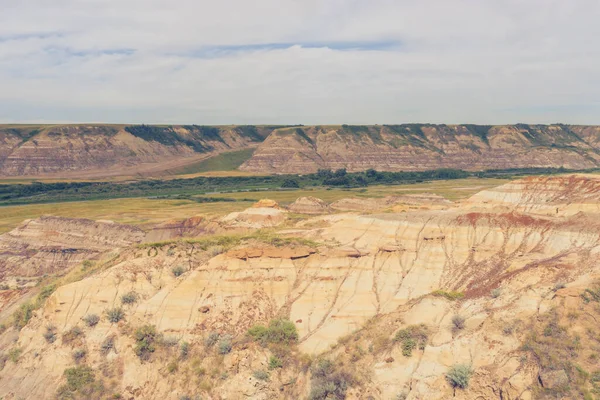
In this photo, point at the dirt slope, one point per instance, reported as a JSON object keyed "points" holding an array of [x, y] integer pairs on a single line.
{"points": [[423, 146]]}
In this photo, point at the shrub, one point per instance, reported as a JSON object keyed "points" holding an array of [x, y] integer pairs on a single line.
{"points": [[129, 298], [458, 322], [72, 334], [459, 375], [50, 334], [450, 295], [107, 345], [184, 349], [225, 345], [87, 264], [14, 354], [79, 354], [211, 339], [328, 382], [261, 375], [495, 293], [115, 314], [45, 293], [172, 367], [91, 319], [275, 362], [412, 337], [178, 271], [78, 377], [279, 331], [401, 396], [146, 338]]}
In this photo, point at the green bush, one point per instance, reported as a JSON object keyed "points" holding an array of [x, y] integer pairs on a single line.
{"points": [[79, 377], [23, 314], [459, 375], [279, 331], [172, 367], [412, 337], [129, 298], [178, 271], [275, 362], [211, 339], [495, 293], [115, 314], [225, 345], [145, 337], [329, 382], [91, 319], [14, 354]]}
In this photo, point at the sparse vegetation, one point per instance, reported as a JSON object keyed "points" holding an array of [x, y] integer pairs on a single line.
{"points": [[173, 366], [275, 362], [329, 381], [115, 314], [107, 345], [22, 316], [72, 334], [459, 375], [146, 338], [412, 337], [211, 339], [261, 375], [495, 293], [458, 322], [178, 271], [50, 334], [14, 354], [278, 331], [79, 354], [184, 350], [225, 345], [129, 298], [91, 319], [450, 295]]}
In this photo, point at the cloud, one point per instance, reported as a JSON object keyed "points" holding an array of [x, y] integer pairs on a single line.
{"points": [[300, 61]]}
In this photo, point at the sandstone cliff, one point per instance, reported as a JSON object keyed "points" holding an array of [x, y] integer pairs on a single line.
{"points": [[416, 147]]}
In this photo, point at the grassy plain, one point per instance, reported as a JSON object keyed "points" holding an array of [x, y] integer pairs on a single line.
{"points": [[144, 212]]}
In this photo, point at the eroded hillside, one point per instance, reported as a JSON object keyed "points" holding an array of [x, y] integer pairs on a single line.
{"points": [[88, 151], [413, 297], [421, 147]]}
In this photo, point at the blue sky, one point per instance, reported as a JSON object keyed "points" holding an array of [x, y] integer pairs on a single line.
{"points": [[300, 61]]}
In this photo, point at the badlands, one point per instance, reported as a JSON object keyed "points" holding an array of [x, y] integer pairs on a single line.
{"points": [[405, 297]]}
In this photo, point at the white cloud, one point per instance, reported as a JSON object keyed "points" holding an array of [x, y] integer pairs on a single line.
{"points": [[300, 61]]}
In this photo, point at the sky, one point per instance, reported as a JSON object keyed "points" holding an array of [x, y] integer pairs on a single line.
{"points": [[300, 61]]}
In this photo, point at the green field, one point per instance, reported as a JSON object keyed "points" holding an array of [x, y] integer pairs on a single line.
{"points": [[228, 161]]}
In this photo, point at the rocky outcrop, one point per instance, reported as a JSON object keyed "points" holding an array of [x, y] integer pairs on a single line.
{"points": [[417, 147], [309, 205], [264, 214]]}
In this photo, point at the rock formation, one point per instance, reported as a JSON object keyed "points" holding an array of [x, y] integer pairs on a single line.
{"points": [[394, 300]]}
